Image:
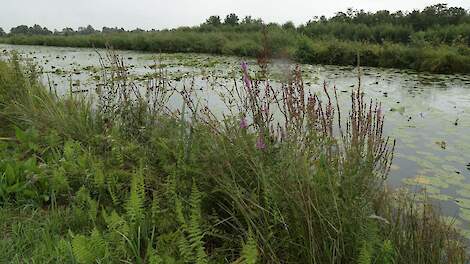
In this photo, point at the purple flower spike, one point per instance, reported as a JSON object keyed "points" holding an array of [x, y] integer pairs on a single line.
{"points": [[246, 77], [243, 123], [247, 81], [244, 66], [260, 145]]}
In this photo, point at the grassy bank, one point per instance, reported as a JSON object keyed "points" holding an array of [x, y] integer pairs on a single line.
{"points": [[420, 56], [129, 181]]}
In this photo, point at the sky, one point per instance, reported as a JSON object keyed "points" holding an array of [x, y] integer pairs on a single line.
{"points": [[160, 14]]}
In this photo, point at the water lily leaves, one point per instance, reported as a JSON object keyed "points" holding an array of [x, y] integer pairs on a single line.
{"points": [[400, 110], [440, 197], [464, 203], [465, 214], [464, 193], [422, 180]]}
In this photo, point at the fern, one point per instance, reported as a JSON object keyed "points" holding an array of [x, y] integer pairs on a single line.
{"points": [[135, 203], [99, 177], [365, 254], [153, 257], [115, 222], [85, 202], [70, 150], [90, 249], [155, 209], [64, 248], [112, 187], [117, 227], [387, 253], [191, 243], [195, 232], [249, 252]]}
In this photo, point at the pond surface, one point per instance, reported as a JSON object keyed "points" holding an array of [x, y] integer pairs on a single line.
{"points": [[428, 114]]}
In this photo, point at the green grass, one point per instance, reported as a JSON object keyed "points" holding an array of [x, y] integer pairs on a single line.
{"points": [[127, 182], [418, 55]]}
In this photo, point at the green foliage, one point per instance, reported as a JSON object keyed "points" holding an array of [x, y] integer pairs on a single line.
{"points": [[191, 243], [387, 254], [181, 191], [25, 174], [135, 204], [365, 254], [90, 249], [250, 251], [231, 20]]}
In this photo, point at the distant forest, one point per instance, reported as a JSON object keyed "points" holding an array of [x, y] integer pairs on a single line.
{"points": [[436, 23]]}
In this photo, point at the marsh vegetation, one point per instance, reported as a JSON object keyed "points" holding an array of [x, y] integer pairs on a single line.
{"points": [[112, 156], [123, 177], [435, 39]]}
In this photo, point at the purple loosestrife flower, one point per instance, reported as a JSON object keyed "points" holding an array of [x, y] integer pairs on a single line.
{"points": [[244, 66], [246, 77], [260, 145], [243, 123]]}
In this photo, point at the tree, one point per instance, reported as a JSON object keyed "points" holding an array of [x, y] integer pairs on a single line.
{"points": [[231, 19], [38, 30], [68, 31], [249, 20], [112, 30], [2, 32], [137, 30], [289, 25], [213, 21], [22, 29], [86, 30]]}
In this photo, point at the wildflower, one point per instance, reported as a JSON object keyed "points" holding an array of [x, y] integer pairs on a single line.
{"points": [[243, 123], [246, 77], [244, 66], [260, 143]]}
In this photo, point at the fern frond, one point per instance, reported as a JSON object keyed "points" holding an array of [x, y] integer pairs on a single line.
{"points": [[90, 249], [249, 252], [115, 222], [84, 201], [135, 203], [153, 257], [388, 253], [195, 232], [155, 209], [98, 173], [190, 243], [365, 254]]}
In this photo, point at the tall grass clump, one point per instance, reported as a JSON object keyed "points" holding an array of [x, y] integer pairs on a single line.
{"points": [[285, 176]]}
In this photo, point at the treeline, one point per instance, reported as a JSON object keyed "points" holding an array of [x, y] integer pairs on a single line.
{"points": [[38, 30], [436, 39], [436, 23]]}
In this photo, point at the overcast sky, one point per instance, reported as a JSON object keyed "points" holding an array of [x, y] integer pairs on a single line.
{"points": [[159, 14]]}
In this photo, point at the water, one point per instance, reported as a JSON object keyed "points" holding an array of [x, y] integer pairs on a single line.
{"points": [[428, 114]]}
